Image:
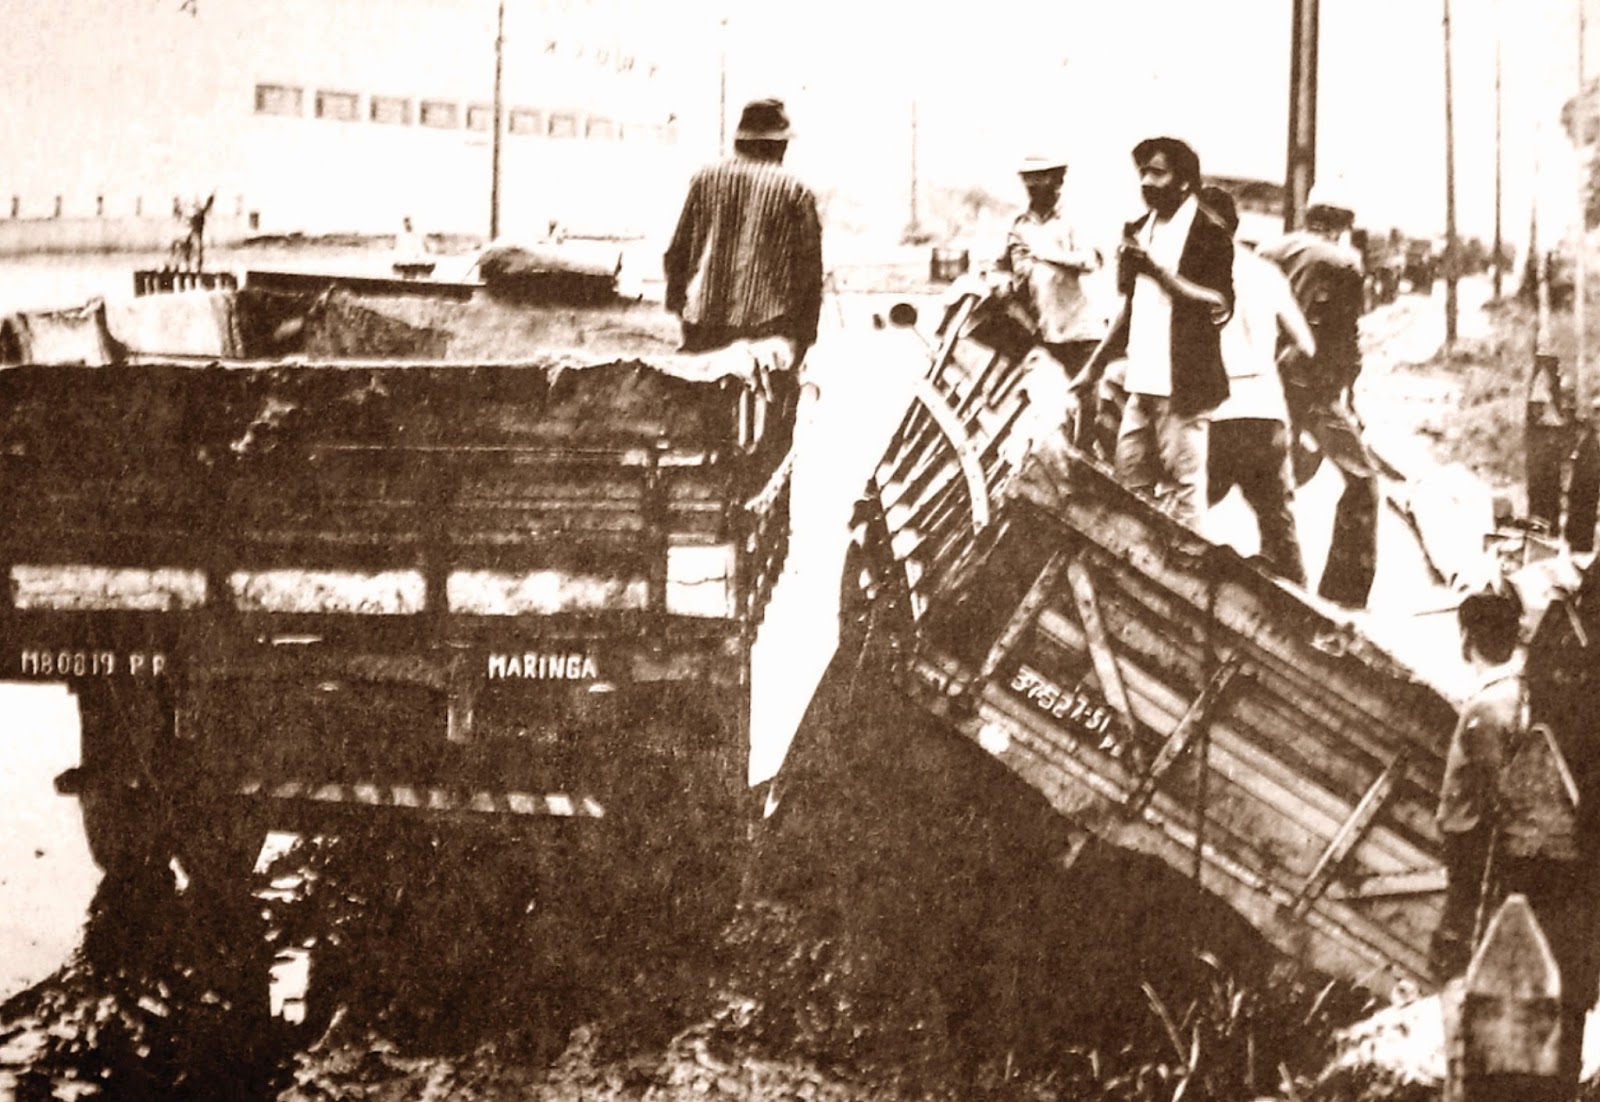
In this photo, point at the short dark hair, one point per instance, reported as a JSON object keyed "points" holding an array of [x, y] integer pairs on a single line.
{"points": [[1184, 160], [761, 149], [1491, 621], [1325, 216], [1219, 201]]}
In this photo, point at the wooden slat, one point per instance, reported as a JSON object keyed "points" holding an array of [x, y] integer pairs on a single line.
{"points": [[1100, 652], [1389, 886], [1342, 938], [1350, 834], [1304, 807], [1195, 720], [1023, 616]]}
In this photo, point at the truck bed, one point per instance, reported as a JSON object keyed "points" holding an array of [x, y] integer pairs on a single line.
{"points": [[447, 586], [1159, 690]]}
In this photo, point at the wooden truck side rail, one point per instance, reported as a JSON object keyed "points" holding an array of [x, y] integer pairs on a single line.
{"points": [[1159, 690]]}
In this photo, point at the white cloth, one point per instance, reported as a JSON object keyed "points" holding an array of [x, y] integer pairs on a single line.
{"points": [[182, 323], [1150, 328], [1250, 340]]}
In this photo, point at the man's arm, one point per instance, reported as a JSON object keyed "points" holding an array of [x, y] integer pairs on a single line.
{"points": [[1112, 346], [1291, 320], [1017, 257], [807, 270], [677, 264], [1212, 286], [1065, 253]]}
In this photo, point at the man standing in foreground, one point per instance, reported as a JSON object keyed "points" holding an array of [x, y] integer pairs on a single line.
{"points": [[1511, 816], [745, 262], [1175, 273], [1047, 265], [1328, 285], [1249, 445]]}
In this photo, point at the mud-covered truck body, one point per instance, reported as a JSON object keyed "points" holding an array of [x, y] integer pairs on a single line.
{"points": [[1160, 691], [291, 593]]}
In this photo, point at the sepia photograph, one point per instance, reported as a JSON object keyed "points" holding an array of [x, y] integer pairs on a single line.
{"points": [[653, 552]]}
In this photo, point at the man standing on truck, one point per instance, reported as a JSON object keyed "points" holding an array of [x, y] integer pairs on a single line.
{"points": [[1047, 265], [1175, 275], [1249, 446], [1329, 286], [745, 262]]}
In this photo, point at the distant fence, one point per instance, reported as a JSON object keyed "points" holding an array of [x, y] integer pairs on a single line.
{"points": [[26, 236], [165, 281]]}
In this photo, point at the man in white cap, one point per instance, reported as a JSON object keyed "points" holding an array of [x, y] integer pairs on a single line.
{"points": [[745, 262], [1047, 264]]}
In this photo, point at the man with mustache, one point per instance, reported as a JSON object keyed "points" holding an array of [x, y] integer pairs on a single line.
{"points": [[1175, 273]]}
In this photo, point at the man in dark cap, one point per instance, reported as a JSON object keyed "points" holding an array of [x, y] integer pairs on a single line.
{"points": [[1175, 273], [745, 262], [1515, 803], [1326, 275]]}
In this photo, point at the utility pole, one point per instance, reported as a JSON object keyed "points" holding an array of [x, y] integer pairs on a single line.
{"points": [[1301, 169], [914, 228], [1450, 249], [1580, 306], [494, 141], [1499, 241], [722, 89]]}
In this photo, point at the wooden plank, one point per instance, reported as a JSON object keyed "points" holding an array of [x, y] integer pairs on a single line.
{"points": [[1302, 808], [1330, 935], [1350, 834], [1389, 886], [1268, 722], [1370, 683], [1196, 719], [1100, 652], [1023, 616]]}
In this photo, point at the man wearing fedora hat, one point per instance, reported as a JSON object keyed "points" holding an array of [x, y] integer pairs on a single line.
{"points": [[746, 259], [1047, 264]]}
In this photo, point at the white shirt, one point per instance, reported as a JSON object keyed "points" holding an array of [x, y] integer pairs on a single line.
{"points": [[1150, 327], [1250, 340], [1043, 252]]}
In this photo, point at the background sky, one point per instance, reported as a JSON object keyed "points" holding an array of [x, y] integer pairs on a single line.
{"points": [[90, 87], [995, 80]]}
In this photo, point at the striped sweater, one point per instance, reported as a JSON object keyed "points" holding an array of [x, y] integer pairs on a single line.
{"points": [[746, 258]]}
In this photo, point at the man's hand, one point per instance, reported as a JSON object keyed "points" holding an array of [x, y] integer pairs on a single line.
{"points": [[1136, 259]]}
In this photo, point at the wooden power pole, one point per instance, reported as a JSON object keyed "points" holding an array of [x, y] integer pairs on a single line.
{"points": [[1499, 241], [1580, 265], [494, 141], [915, 226], [1450, 244], [1301, 169]]}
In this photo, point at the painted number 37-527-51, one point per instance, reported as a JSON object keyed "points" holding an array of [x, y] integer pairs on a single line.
{"points": [[70, 662], [1073, 705]]}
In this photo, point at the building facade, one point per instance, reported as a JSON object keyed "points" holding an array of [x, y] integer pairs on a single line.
{"points": [[344, 116]]}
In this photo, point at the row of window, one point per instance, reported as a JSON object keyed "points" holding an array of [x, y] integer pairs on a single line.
{"points": [[290, 101]]}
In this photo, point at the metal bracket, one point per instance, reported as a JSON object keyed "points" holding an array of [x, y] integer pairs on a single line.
{"points": [[1193, 721], [461, 698], [1349, 835]]}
